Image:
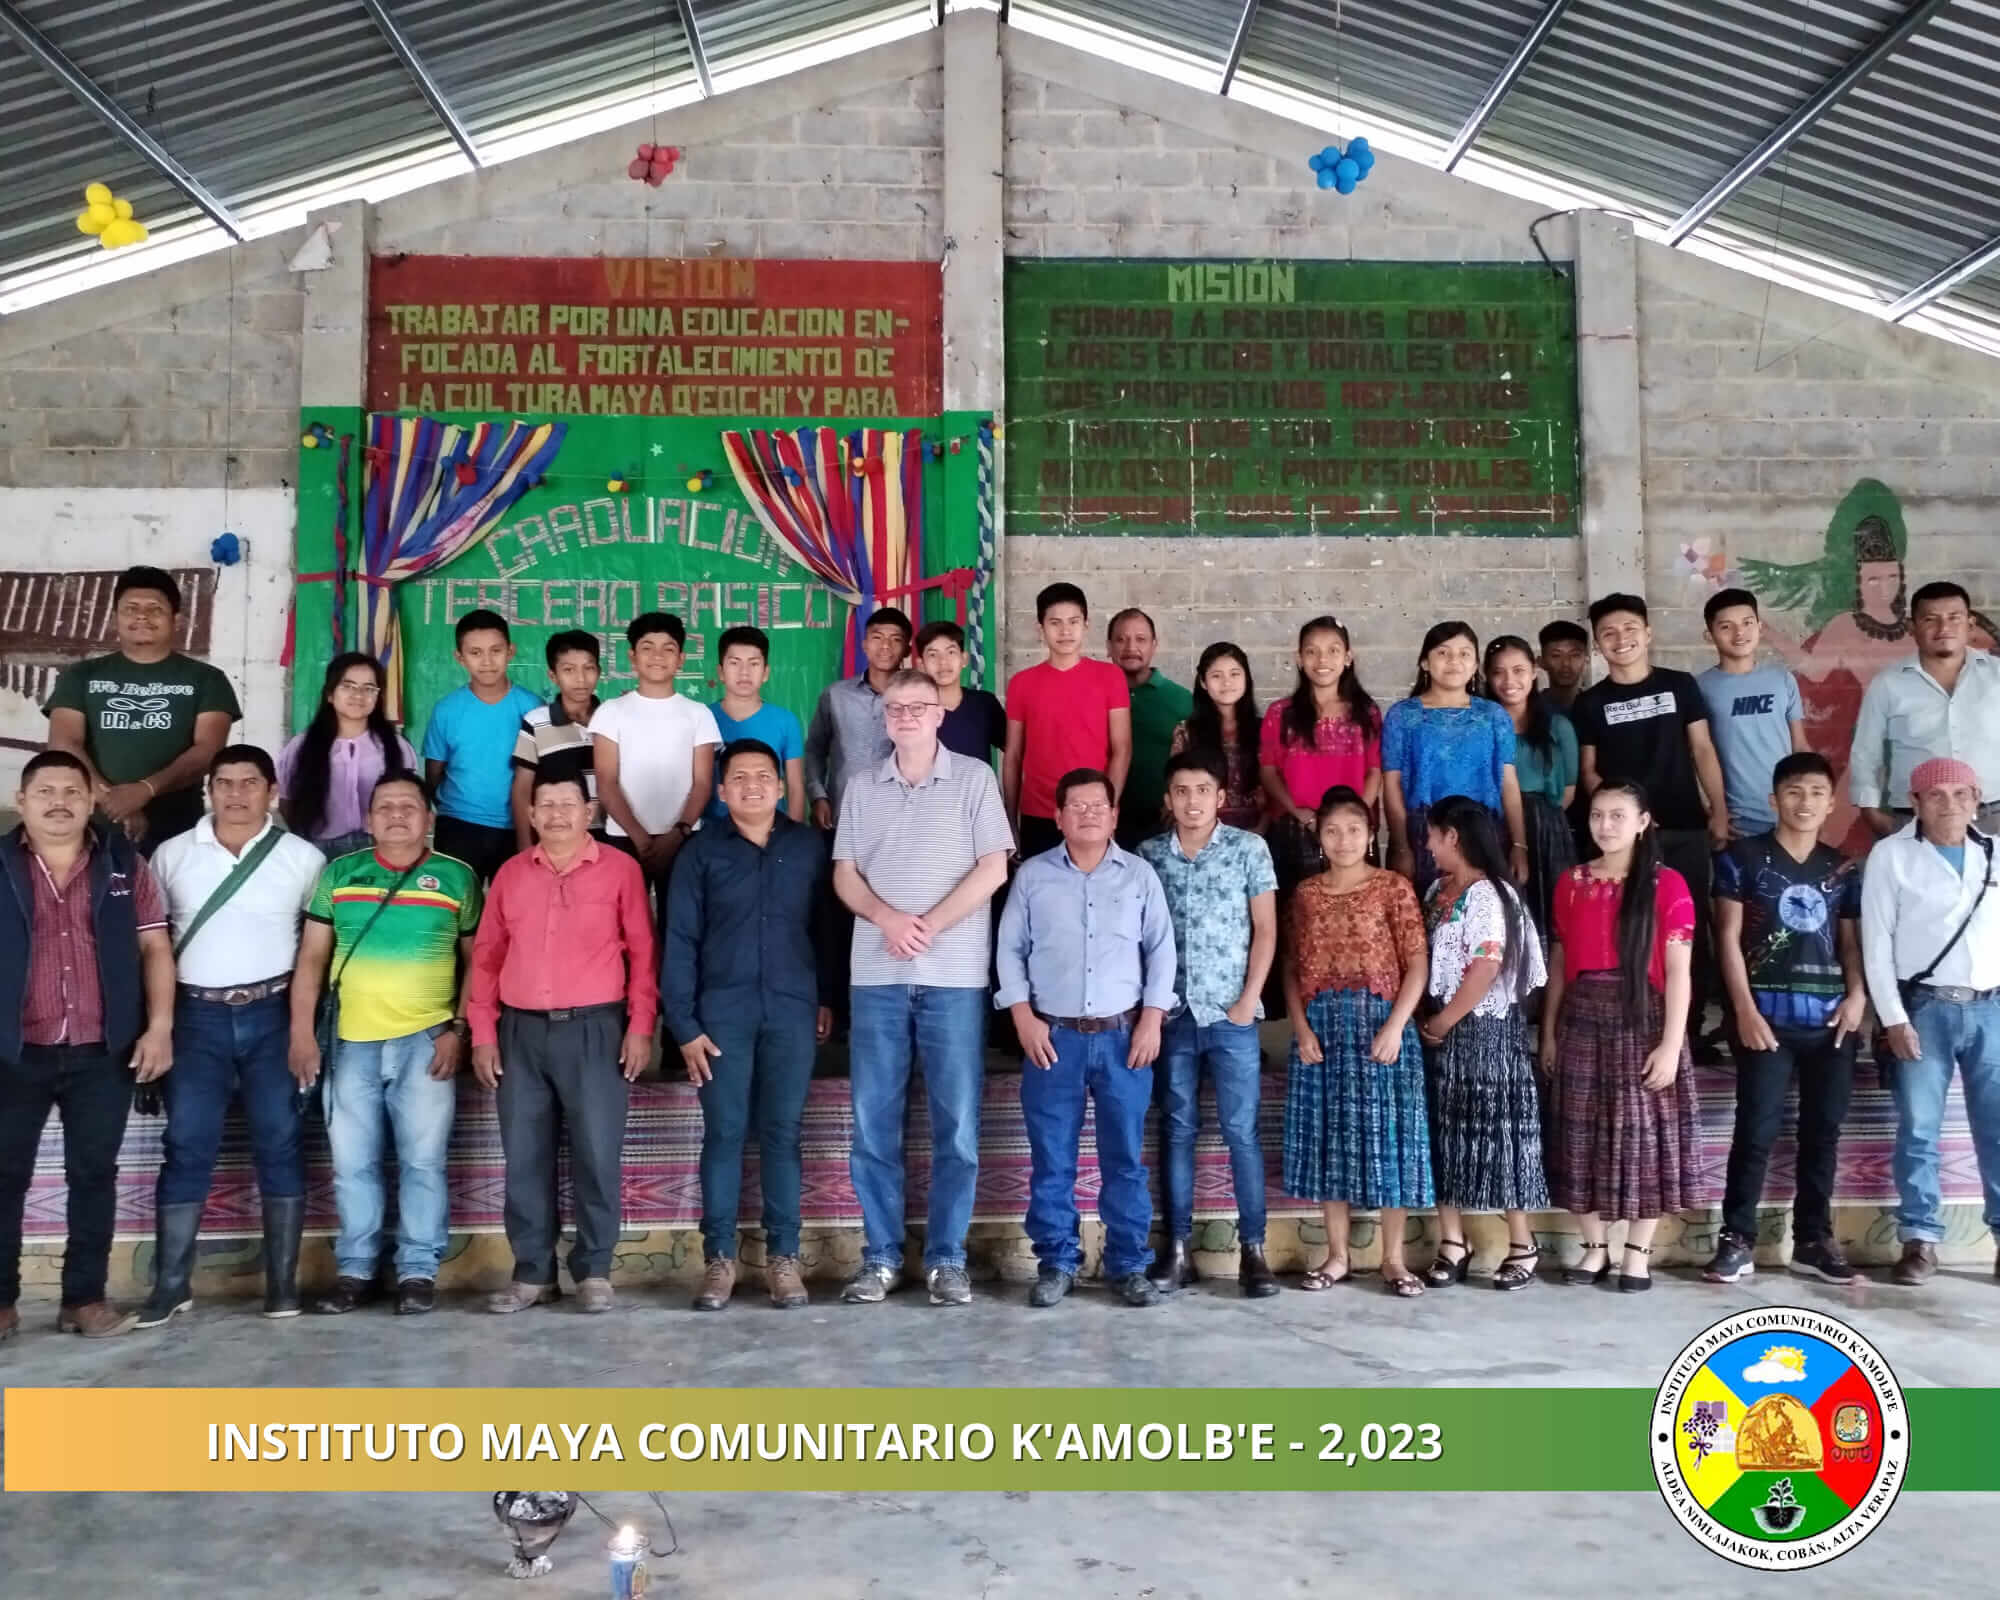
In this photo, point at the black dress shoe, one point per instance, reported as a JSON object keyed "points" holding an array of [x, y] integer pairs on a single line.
{"points": [[1254, 1275], [415, 1297], [1051, 1284], [347, 1294], [1136, 1289], [1172, 1268]]}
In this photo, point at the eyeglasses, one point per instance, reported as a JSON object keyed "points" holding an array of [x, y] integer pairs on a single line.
{"points": [[909, 710], [371, 690], [1087, 808]]}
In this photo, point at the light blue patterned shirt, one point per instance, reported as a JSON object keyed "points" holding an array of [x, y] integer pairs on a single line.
{"points": [[1086, 944], [1209, 900]]}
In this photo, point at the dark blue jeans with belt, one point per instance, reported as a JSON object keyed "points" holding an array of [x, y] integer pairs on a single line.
{"points": [[219, 1049], [1230, 1055], [759, 1081], [1088, 1066]]}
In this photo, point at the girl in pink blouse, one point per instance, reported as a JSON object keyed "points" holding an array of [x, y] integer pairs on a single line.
{"points": [[1624, 1142], [1327, 735]]}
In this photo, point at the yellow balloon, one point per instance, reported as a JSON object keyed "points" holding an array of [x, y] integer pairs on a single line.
{"points": [[122, 207], [104, 214], [116, 233], [139, 233], [86, 223], [97, 194]]}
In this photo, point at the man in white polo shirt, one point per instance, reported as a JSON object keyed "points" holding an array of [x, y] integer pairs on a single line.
{"points": [[921, 848], [1930, 945], [236, 887]]}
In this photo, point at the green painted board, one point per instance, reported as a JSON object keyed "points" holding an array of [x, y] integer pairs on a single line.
{"points": [[1290, 397]]}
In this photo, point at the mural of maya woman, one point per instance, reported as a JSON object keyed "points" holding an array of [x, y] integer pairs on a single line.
{"points": [[1856, 603]]}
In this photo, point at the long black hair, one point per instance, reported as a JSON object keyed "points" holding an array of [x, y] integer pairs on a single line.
{"points": [[306, 804], [1301, 719], [1479, 842], [1539, 731], [1204, 723], [1635, 901], [1444, 633]]}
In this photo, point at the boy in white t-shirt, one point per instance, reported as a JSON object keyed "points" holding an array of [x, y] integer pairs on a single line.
{"points": [[654, 750]]}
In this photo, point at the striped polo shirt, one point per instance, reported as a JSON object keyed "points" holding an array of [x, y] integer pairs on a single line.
{"points": [[914, 844]]}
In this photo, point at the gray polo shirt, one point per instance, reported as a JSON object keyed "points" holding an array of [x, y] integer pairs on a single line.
{"points": [[914, 844], [848, 735]]}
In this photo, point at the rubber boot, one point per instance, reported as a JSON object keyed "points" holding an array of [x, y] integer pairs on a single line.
{"points": [[176, 1229], [284, 1221]]}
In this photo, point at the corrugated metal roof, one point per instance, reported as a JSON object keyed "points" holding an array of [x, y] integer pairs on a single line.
{"points": [[1647, 102]]}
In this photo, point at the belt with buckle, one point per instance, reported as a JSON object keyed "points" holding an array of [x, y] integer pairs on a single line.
{"points": [[568, 1012], [240, 994], [1953, 995], [1124, 1019]]}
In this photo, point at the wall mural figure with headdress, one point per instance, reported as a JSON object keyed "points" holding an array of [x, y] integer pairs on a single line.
{"points": [[1856, 603]]}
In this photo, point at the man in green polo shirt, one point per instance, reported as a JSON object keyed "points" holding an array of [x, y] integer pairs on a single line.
{"points": [[395, 924], [147, 718], [1159, 705]]}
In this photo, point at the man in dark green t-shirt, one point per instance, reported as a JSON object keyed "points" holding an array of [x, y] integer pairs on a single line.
{"points": [[146, 718], [1159, 705]]}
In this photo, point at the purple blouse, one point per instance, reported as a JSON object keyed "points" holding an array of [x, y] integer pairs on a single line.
{"points": [[354, 768]]}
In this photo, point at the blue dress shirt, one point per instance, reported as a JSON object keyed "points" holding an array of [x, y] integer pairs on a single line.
{"points": [[1086, 944]]}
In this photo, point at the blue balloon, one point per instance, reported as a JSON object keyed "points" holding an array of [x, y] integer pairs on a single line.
{"points": [[1344, 185], [1347, 167], [1329, 154], [1326, 178], [1315, 161], [1358, 149], [225, 550]]}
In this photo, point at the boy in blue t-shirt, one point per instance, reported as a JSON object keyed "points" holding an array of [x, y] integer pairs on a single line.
{"points": [[1788, 931], [744, 664], [469, 748], [1755, 714]]}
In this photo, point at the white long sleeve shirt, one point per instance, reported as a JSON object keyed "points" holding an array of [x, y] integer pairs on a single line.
{"points": [[1906, 718], [1911, 903]]}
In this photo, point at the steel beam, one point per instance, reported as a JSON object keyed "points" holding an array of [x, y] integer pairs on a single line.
{"points": [[1502, 86], [1782, 137], [80, 84], [1966, 266], [695, 51], [427, 86], [1236, 44]]}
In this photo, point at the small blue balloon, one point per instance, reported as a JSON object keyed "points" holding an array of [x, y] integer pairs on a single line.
{"points": [[1347, 167], [1327, 178], [1344, 185], [1358, 149], [1329, 154], [225, 550], [1315, 161]]}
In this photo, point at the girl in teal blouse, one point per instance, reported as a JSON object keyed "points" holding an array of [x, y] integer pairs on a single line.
{"points": [[1545, 765]]}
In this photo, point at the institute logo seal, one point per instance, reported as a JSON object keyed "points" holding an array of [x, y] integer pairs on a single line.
{"points": [[1780, 1438]]}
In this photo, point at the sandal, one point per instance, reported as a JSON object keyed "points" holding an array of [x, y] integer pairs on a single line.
{"points": [[1582, 1274], [1442, 1273], [1407, 1287], [1517, 1268], [1324, 1277], [1627, 1284]]}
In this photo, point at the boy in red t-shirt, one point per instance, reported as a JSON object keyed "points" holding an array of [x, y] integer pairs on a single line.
{"points": [[1069, 712]]}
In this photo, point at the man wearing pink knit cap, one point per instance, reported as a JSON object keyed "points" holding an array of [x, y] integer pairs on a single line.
{"points": [[1930, 938]]}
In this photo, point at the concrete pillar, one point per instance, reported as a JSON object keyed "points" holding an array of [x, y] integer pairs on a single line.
{"points": [[974, 131], [333, 364], [1607, 393]]}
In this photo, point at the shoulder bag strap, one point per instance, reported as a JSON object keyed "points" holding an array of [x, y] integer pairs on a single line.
{"points": [[219, 896], [374, 917], [1951, 944]]}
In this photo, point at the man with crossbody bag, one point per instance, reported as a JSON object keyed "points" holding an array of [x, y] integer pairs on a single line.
{"points": [[236, 886], [395, 924], [1930, 944]]}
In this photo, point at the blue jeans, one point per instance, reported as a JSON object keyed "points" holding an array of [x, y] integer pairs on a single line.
{"points": [[216, 1049], [761, 1077], [1234, 1062], [945, 1030], [392, 1076], [1967, 1037], [1052, 1107]]}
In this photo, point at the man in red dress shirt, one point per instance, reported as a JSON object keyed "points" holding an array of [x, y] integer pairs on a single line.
{"points": [[83, 936], [565, 993]]}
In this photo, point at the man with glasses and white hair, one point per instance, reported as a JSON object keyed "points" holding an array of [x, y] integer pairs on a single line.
{"points": [[921, 848], [1930, 946]]}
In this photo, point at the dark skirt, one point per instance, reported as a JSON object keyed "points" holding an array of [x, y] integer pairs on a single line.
{"points": [[1486, 1121], [1356, 1130], [1551, 853], [1619, 1149]]}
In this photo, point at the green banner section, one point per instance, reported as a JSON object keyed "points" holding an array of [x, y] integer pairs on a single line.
{"points": [[1296, 397]]}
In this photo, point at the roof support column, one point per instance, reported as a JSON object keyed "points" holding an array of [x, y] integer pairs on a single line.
{"points": [[1607, 393]]}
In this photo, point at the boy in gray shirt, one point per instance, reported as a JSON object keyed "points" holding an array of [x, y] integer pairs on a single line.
{"points": [[1755, 714]]}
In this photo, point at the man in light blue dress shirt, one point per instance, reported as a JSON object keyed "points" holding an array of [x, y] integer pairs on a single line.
{"points": [[1086, 958]]}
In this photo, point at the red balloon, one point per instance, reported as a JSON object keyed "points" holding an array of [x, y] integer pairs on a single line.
{"points": [[645, 152], [637, 169]]}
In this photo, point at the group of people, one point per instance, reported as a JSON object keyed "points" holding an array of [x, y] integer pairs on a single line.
{"points": [[1493, 913]]}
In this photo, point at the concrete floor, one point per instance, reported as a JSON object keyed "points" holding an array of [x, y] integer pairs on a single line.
{"points": [[1138, 1547]]}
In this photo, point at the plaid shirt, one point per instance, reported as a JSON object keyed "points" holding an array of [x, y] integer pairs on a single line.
{"points": [[65, 1000]]}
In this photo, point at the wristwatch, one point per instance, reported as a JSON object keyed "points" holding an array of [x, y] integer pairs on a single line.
{"points": [[683, 828], [461, 1026]]}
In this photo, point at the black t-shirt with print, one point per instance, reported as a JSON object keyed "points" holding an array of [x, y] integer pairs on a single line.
{"points": [[1639, 731]]}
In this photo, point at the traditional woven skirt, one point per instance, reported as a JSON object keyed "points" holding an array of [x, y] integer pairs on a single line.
{"points": [[1618, 1149], [1356, 1130], [1486, 1121], [1551, 853]]}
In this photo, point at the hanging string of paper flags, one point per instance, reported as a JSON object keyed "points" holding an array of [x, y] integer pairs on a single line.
{"points": [[109, 219]]}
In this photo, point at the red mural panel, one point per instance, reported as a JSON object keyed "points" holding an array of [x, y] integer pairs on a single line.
{"points": [[594, 336]]}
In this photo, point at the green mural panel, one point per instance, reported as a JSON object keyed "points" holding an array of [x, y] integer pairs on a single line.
{"points": [[1296, 397]]}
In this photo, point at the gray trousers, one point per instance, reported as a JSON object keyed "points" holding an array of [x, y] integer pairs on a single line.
{"points": [[562, 1072]]}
